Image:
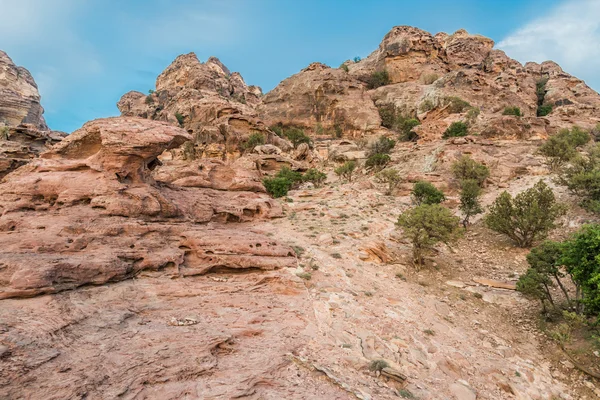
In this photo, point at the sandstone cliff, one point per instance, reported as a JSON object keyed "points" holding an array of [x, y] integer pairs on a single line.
{"points": [[23, 130]]}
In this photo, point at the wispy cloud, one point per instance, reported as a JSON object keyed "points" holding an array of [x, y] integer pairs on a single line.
{"points": [[568, 34]]}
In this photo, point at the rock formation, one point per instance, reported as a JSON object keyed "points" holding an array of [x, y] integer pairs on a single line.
{"points": [[142, 258], [427, 74], [103, 173], [20, 99], [23, 130]]}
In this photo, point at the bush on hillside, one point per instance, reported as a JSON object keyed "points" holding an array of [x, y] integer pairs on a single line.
{"points": [[582, 177], [296, 136], [378, 79], [424, 192], [465, 168], [427, 225], [377, 161], [526, 218], [469, 200], [314, 176], [512, 110], [256, 139], [390, 178], [346, 170], [277, 187], [544, 110], [456, 129], [382, 146]]}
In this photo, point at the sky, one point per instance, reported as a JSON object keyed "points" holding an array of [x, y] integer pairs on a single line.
{"points": [[85, 54]]}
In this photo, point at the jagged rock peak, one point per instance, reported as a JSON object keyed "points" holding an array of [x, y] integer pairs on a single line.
{"points": [[19, 96]]}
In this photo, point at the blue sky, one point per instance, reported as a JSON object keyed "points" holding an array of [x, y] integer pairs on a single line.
{"points": [[86, 54]]}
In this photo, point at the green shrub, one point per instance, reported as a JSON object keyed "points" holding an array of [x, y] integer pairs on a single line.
{"points": [[393, 118], [526, 218], [389, 177], [277, 129], [277, 187], [575, 136], [469, 200], [456, 129], [378, 79], [582, 177], [456, 105], [296, 136], [581, 258], [149, 100], [345, 68], [256, 139], [427, 225], [383, 146], [557, 151], [314, 176], [465, 168], [424, 192], [180, 118], [357, 59], [377, 161], [512, 110], [561, 148], [285, 172], [544, 110], [346, 170], [378, 365]]}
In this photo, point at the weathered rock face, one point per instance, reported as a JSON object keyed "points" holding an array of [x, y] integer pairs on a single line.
{"points": [[214, 105], [320, 98], [20, 144], [90, 211], [427, 73], [19, 96]]}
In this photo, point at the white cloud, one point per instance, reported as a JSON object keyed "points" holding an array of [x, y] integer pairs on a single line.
{"points": [[568, 34]]}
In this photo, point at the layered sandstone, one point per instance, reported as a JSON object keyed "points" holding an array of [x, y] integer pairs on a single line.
{"points": [[89, 211], [19, 96]]}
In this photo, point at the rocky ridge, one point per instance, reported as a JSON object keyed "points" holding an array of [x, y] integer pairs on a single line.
{"points": [[142, 257]]}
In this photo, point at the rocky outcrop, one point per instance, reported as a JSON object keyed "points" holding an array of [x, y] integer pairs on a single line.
{"points": [[93, 210], [322, 100], [19, 96], [429, 75], [20, 144], [212, 104]]}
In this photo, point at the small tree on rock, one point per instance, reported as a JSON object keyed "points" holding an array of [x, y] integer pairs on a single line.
{"points": [[465, 168], [424, 192], [469, 200], [389, 177], [526, 218], [314, 176], [427, 225], [346, 170]]}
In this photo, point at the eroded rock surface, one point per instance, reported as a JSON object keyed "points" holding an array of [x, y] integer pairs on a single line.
{"points": [[90, 211]]}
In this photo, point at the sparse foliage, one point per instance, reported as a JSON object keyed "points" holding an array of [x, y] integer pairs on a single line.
{"points": [[377, 161], [427, 225], [456, 105], [582, 177], [465, 168], [180, 118], [314, 176], [296, 136], [378, 79], [456, 129], [382, 146], [390, 178], [346, 170], [393, 118], [424, 192], [512, 110], [527, 217], [256, 139], [469, 200], [344, 67], [544, 110]]}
